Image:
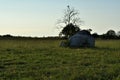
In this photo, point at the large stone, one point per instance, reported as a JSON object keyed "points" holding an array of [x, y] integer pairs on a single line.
{"points": [[82, 39]]}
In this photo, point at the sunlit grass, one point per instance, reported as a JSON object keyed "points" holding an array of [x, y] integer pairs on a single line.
{"points": [[45, 60]]}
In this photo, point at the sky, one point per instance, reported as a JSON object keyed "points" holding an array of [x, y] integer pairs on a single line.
{"points": [[38, 18]]}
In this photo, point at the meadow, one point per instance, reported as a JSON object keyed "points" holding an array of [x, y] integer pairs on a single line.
{"points": [[36, 59]]}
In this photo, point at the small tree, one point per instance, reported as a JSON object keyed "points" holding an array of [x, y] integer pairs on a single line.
{"points": [[95, 35], [70, 22], [111, 34]]}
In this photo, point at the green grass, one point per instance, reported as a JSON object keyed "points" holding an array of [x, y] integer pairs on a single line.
{"points": [[45, 60]]}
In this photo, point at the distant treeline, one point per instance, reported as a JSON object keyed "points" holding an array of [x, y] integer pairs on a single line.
{"points": [[95, 35], [105, 36], [8, 36], [110, 34]]}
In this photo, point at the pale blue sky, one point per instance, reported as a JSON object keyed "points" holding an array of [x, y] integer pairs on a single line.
{"points": [[38, 17]]}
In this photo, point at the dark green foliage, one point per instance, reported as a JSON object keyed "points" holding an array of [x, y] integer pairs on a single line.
{"points": [[70, 30], [111, 34], [95, 35]]}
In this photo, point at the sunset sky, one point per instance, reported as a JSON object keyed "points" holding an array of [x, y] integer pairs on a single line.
{"points": [[39, 17]]}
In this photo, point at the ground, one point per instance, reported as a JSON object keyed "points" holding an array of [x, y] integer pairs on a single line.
{"points": [[36, 59]]}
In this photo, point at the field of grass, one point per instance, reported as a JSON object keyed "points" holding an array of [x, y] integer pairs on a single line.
{"points": [[45, 60]]}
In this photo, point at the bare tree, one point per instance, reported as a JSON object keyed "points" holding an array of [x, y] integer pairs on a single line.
{"points": [[70, 16], [70, 20]]}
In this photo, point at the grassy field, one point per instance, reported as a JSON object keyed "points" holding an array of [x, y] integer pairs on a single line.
{"points": [[45, 60]]}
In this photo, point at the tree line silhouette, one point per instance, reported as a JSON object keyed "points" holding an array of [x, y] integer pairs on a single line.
{"points": [[110, 34]]}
